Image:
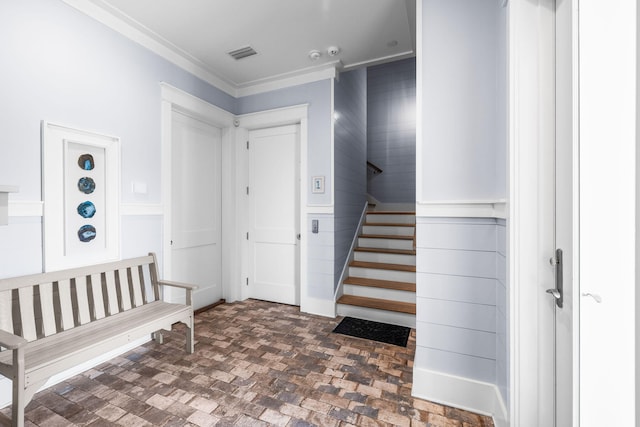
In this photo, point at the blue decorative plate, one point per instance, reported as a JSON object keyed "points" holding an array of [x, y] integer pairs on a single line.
{"points": [[86, 185], [86, 162], [87, 233], [86, 209]]}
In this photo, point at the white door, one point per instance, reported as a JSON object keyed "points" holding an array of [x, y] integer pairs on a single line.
{"points": [[195, 207], [609, 214], [556, 197], [274, 214], [565, 203]]}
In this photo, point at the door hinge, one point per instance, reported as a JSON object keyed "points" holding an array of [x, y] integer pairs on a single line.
{"points": [[247, 145], [247, 235], [247, 190], [247, 281]]}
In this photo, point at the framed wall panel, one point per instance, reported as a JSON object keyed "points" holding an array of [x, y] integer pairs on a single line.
{"points": [[81, 194]]}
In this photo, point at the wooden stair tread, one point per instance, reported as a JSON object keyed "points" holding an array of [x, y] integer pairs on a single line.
{"points": [[383, 266], [378, 283], [380, 304], [386, 236], [388, 224], [386, 251]]}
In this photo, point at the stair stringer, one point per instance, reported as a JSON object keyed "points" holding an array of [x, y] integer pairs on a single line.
{"points": [[354, 243]]}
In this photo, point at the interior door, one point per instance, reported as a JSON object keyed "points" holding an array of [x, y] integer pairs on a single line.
{"points": [[556, 202], [274, 214], [565, 201], [196, 207]]}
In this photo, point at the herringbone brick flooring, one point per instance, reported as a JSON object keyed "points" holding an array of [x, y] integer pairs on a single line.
{"points": [[256, 364]]}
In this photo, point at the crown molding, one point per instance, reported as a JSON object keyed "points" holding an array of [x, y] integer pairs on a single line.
{"points": [[138, 33]]}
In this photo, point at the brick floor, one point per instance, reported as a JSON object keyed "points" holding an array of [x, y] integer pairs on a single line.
{"points": [[256, 364]]}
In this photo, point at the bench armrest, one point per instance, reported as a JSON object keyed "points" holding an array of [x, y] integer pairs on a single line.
{"points": [[187, 287], [11, 341], [177, 284]]}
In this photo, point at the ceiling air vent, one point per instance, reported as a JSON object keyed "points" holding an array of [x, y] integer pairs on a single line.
{"points": [[243, 52]]}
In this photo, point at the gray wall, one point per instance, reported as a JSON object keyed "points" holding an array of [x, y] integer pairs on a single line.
{"points": [[350, 157], [464, 100], [391, 130], [462, 284], [318, 96]]}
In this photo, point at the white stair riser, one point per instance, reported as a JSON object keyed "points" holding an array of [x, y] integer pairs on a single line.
{"points": [[386, 258], [385, 243], [398, 219], [391, 317], [380, 293], [387, 230], [374, 273]]}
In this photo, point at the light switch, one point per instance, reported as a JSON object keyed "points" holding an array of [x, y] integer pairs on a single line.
{"points": [[139, 187]]}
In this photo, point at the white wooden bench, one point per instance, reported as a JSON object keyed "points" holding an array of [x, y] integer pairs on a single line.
{"points": [[51, 322]]}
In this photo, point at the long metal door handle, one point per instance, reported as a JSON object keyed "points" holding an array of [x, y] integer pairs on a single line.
{"points": [[557, 292]]}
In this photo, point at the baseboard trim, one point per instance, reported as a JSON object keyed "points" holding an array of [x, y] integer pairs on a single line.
{"points": [[321, 307], [463, 393], [5, 384]]}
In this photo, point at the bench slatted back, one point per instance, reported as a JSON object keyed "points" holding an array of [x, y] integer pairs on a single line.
{"points": [[44, 304]]}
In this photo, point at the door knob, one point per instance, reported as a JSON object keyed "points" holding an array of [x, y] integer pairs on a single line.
{"points": [[555, 293]]}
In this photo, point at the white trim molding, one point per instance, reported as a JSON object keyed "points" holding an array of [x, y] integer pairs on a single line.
{"points": [[463, 393], [462, 208], [4, 202]]}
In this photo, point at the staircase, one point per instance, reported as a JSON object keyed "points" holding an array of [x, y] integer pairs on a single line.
{"points": [[381, 284]]}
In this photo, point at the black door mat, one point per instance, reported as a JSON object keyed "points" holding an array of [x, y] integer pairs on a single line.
{"points": [[367, 329]]}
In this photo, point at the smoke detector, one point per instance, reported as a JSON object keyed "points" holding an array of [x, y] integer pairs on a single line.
{"points": [[333, 50]]}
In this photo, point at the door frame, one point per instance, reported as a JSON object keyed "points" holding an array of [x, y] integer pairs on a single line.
{"points": [[297, 114], [526, 101], [173, 100]]}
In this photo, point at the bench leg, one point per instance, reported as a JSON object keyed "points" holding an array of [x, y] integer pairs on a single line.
{"points": [[19, 398], [157, 337], [190, 338]]}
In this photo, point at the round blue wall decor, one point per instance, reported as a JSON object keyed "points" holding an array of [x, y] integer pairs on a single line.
{"points": [[86, 185], [87, 233], [86, 209], [86, 162]]}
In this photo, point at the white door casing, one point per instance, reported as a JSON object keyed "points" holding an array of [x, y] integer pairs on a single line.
{"points": [[532, 211], [297, 114], [196, 207], [177, 102], [274, 214]]}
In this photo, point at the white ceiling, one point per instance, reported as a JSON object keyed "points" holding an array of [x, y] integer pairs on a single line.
{"points": [[283, 32]]}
